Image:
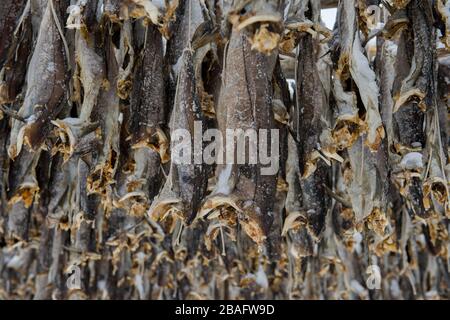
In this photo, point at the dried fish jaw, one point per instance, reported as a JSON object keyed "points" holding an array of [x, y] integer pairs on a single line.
{"points": [[214, 204], [288, 42], [146, 173], [102, 176], [167, 204], [118, 11], [436, 195], [387, 245], [231, 209], [71, 132], [265, 41], [377, 221], [303, 19], [243, 14], [396, 24], [294, 221], [26, 193], [251, 221], [135, 203], [399, 4], [415, 95], [261, 21], [168, 18], [155, 140]]}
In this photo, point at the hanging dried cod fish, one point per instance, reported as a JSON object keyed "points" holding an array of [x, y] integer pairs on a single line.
{"points": [[243, 189], [15, 48], [352, 64], [46, 85], [413, 94], [148, 97], [185, 187], [188, 17], [46, 81], [311, 133], [107, 114], [9, 11], [77, 133], [356, 92]]}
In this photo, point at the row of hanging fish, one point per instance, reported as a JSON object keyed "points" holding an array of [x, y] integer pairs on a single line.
{"points": [[94, 205]]}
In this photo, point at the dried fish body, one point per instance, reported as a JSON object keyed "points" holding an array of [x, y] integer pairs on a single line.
{"points": [[10, 10], [13, 65], [90, 68], [22, 189], [188, 18], [45, 86], [295, 224], [364, 175], [418, 85], [186, 184], [352, 64], [443, 7], [107, 114], [406, 118], [236, 188], [412, 99], [148, 97]]}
